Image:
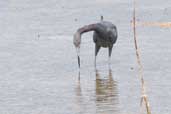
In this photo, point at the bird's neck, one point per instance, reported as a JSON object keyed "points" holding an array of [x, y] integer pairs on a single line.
{"points": [[87, 28]]}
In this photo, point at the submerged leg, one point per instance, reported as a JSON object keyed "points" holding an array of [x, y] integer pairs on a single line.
{"points": [[97, 48], [110, 52]]}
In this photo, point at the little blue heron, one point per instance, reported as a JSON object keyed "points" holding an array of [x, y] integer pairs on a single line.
{"points": [[105, 35]]}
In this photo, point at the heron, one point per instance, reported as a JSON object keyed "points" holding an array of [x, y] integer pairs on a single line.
{"points": [[104, 35]]}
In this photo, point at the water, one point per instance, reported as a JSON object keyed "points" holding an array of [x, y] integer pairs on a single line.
{"points": [[39, 71]]}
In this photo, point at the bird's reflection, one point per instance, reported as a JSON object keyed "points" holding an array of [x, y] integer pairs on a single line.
{"points": [[106, 94], [79, 99]]}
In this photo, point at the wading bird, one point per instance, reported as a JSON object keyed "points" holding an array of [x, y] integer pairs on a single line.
{"points": [[105, 35]]}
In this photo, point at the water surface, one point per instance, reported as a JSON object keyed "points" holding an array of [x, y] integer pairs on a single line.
{"points": [[38, 61]]}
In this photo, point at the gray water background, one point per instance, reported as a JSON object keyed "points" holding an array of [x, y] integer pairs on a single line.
{"points": [[38, 64]]}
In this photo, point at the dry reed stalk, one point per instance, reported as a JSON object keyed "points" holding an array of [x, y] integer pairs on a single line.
{"points": [[140, 68], [154, 24]]}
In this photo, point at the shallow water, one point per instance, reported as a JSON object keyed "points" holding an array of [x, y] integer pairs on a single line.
{"points": [[39, 71]]}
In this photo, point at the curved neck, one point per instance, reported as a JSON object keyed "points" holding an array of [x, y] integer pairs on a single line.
{"points": [[87, 28]]}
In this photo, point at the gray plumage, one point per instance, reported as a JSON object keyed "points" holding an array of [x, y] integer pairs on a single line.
{"points": [[105, 35]]}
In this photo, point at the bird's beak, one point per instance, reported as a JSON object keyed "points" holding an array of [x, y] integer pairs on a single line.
{"points": [[78, 61], [77, 42], [78, 55]]}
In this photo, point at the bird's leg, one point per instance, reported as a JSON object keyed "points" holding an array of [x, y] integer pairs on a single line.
{"points": [[97, 48], [109, 59]]}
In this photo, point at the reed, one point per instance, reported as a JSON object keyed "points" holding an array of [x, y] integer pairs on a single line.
{"points": [[154, 24], [144, 97]]}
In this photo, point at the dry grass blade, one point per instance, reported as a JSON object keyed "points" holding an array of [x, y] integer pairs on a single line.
{"points": [[140, 67], [154, 24]]}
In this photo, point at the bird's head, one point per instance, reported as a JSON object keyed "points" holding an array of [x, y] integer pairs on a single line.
{"points": [[77, 39]]}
